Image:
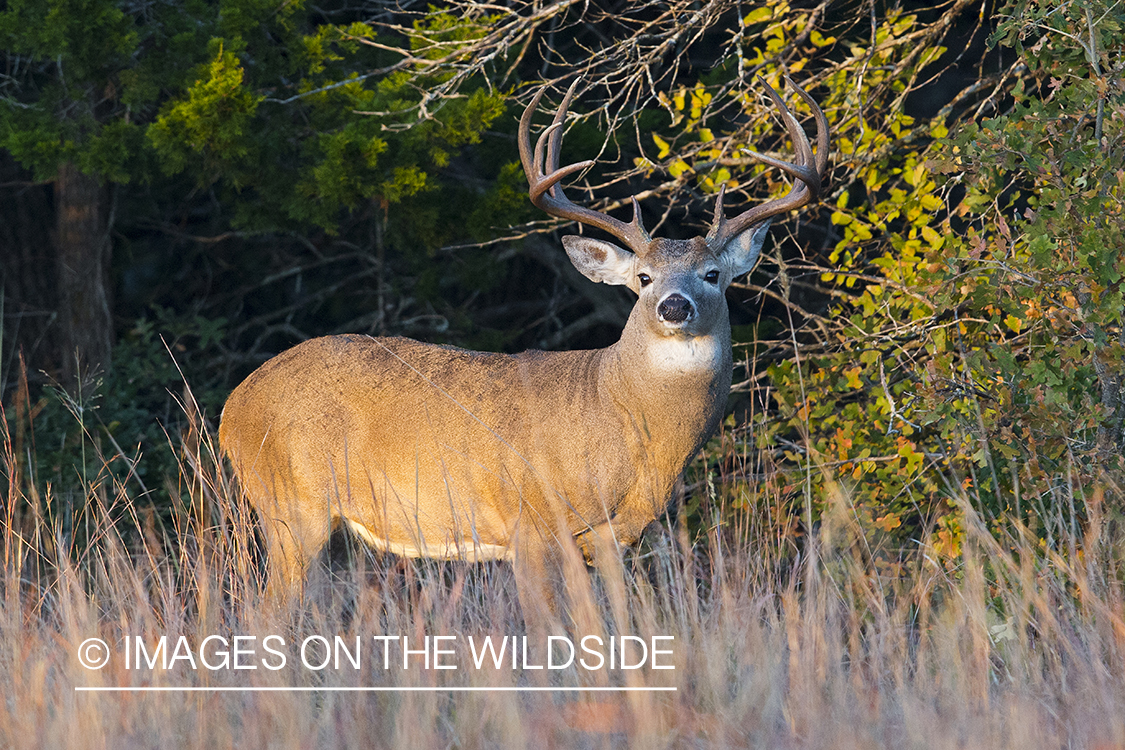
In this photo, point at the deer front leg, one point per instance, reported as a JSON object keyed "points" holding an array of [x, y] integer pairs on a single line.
{"points": [[604, 543], [602, 547]]}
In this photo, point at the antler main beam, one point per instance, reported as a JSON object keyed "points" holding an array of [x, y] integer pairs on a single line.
{"points": [[545, 181], [545, 176], [807, 173]]}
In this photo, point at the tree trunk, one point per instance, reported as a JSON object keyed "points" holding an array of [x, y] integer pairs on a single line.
{"points": [[83, 253], [27, 277]]}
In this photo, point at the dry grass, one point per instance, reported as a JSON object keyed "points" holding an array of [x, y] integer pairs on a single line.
{"points": [[1018, 646]]}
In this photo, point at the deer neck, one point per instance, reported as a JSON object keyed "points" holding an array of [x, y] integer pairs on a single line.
{"points": [[671, 390]]}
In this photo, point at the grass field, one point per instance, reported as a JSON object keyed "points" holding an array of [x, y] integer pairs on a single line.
{"points": [[1019, 644]]}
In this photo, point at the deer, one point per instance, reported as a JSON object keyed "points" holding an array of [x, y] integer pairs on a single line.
{"points": [[425, 450]]}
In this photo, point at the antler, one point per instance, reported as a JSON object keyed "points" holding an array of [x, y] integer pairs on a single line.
{"points": [[546, 191], [807, 173]]}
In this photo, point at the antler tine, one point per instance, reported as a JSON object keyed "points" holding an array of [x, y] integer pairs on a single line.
{"points": [[821, 128], [806, 172], [554, 140], [523, 139], [545, 181]]}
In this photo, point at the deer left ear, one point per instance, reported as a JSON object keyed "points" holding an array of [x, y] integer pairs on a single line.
{"points": [[600, 261], [743, 250]]}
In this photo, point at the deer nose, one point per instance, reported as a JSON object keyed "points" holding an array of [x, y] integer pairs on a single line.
{"points": [[675, 308]]}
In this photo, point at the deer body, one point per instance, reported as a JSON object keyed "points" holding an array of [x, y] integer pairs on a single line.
{"points": [[468, 468], [435, 451]]}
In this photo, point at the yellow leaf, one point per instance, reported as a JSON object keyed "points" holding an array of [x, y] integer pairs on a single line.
{"points": [[935, 239], [889, 522], [699, 99], [930, 202], [1013, 322], [949, 536], [662, 145], [758, 15], [820, 41]]}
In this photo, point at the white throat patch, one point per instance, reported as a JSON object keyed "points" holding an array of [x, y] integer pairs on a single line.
{"points": [[676, 354]]}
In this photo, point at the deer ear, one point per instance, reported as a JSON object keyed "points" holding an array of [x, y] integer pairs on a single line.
{"points": [[600, 261], [742, 251]]}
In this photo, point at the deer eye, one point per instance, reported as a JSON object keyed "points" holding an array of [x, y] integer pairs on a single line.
{"points": [[712, 277], [644, 278]]}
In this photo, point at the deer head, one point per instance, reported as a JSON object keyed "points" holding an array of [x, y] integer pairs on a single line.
{"points": [[680, 283]]}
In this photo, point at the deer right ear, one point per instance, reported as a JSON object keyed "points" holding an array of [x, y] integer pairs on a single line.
{"points": [[600, 261], [743, 250]]}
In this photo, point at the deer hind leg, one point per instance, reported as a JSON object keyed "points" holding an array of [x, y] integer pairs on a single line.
{"points": [[291, 545]]}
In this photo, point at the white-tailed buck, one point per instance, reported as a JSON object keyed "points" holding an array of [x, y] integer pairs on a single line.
{"points": [[433, 451]]}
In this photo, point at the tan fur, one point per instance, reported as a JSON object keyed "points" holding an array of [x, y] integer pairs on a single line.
{"points": [[434, 451]]}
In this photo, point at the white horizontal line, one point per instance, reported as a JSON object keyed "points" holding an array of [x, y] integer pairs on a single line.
{"points": [[296, 689]]}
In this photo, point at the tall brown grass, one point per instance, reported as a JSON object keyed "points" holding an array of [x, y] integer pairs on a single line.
{"points": [[1016, 644]]}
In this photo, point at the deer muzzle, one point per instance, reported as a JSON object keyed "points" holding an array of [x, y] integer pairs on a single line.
{"points": [[675, 308]]}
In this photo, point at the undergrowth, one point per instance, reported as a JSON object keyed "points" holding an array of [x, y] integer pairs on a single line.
{"points": [[782, 636]]}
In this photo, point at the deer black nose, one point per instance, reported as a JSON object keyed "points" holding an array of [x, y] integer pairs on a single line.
{"points": [[675, 308]]}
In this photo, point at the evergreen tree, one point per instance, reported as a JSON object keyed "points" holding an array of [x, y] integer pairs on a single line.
{"points": [[260, 104]]}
